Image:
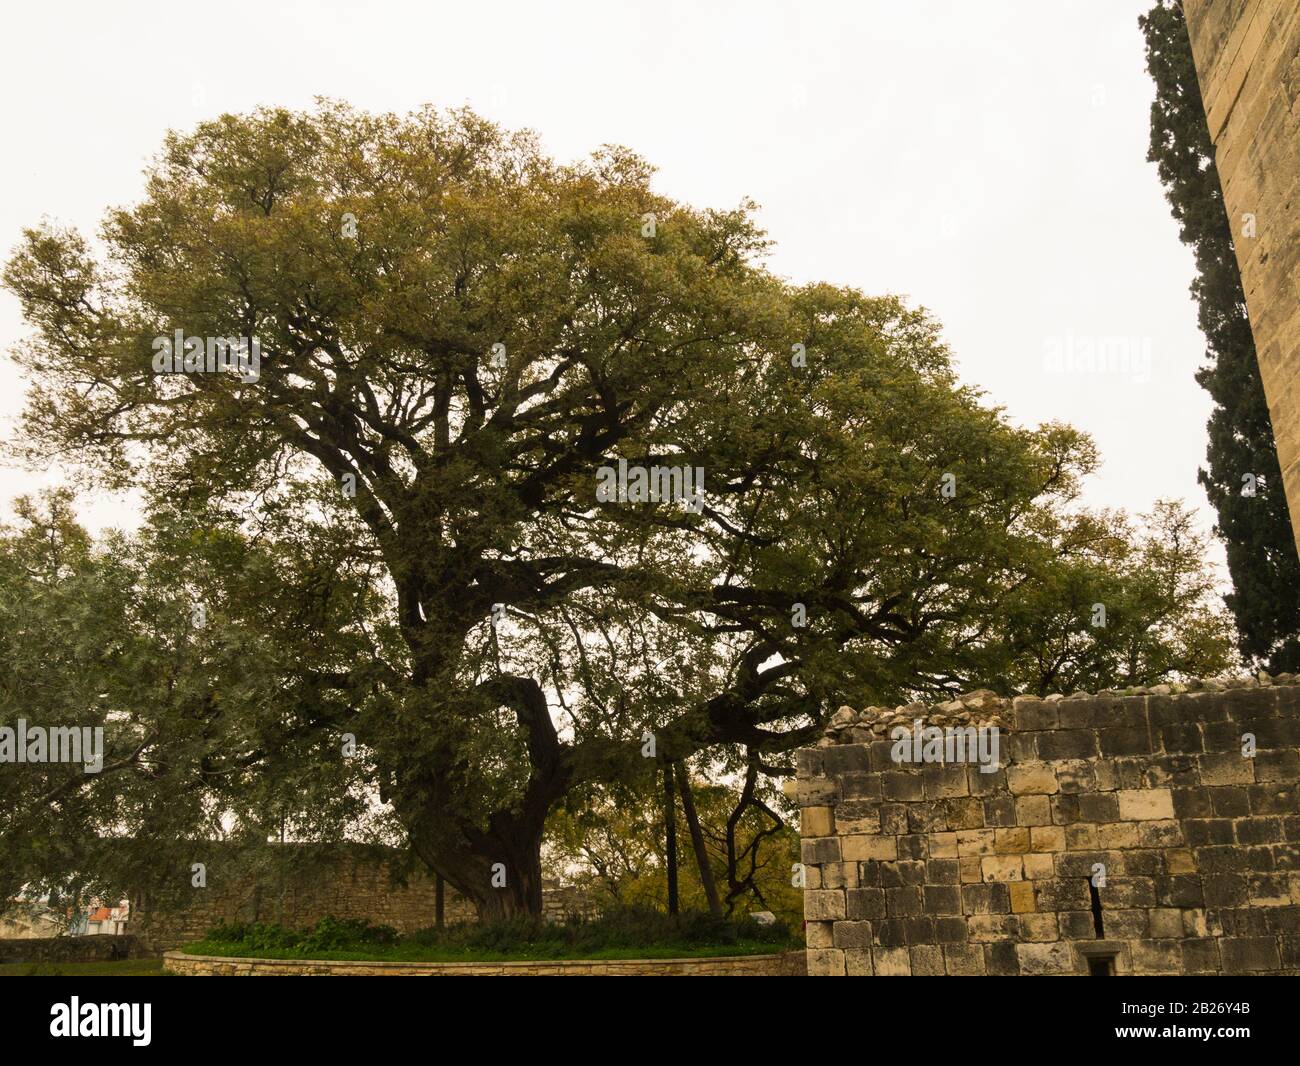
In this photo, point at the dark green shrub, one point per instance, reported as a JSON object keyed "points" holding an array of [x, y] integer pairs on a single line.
{"points": [[621, 929], [337, 933], [330, 934]]}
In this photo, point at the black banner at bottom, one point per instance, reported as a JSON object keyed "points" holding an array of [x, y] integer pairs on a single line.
{"points": [[359, 1014]]}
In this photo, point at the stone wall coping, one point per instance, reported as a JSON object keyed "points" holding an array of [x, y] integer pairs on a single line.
{"points": [[984, 707], [453, 967]]}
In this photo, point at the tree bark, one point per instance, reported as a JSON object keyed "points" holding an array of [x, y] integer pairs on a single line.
{"points": [[670, 837], [497, 867], [502, 877], [697, 841]]}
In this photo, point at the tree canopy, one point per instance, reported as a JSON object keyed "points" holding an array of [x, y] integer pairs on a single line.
{"points": [[394, 527]]}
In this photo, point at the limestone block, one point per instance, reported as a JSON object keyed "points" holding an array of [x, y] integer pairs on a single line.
{"points": [[865, 847], [1145, 804], [1031, 779], [816, 822]]}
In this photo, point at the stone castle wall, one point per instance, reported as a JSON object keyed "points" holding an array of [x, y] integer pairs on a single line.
{"points": [[924, 868], [1247, 55], [343, 881]]}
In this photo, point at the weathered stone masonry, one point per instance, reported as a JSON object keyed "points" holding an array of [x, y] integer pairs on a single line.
{"points": [[941, 869], [1247, 55]]}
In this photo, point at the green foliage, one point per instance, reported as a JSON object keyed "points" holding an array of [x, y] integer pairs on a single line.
{"points": [[610, 843], [1126, 604], [622, 927], [103, 634], [329, 934], [624, 930], [495, 637], [1256, 529]]}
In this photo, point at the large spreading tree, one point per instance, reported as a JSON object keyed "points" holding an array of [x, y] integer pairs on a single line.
{"points": [[395, 531]]}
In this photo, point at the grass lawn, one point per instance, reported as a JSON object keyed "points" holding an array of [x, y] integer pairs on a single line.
{"points": [[525, 953], [122, 968]]}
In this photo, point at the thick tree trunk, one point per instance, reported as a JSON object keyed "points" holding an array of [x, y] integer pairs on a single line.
{"points": [[502, 878], [499, 868], [697, 841], [514, 885]]}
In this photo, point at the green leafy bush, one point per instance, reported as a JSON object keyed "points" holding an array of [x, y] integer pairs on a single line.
{"points": [[622, 931], [330, 934], [624, 927]]}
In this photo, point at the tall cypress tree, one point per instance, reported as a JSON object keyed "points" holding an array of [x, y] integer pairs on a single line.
{"points": [[1255, 529]]}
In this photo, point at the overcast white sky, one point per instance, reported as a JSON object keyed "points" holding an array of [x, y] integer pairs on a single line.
{"points": [[988, 160]]}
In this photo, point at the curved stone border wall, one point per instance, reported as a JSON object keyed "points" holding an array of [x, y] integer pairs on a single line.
{"points": [[788, 964]]}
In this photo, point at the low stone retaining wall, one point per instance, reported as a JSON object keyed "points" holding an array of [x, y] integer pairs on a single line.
{"points": [[788, 964]]}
